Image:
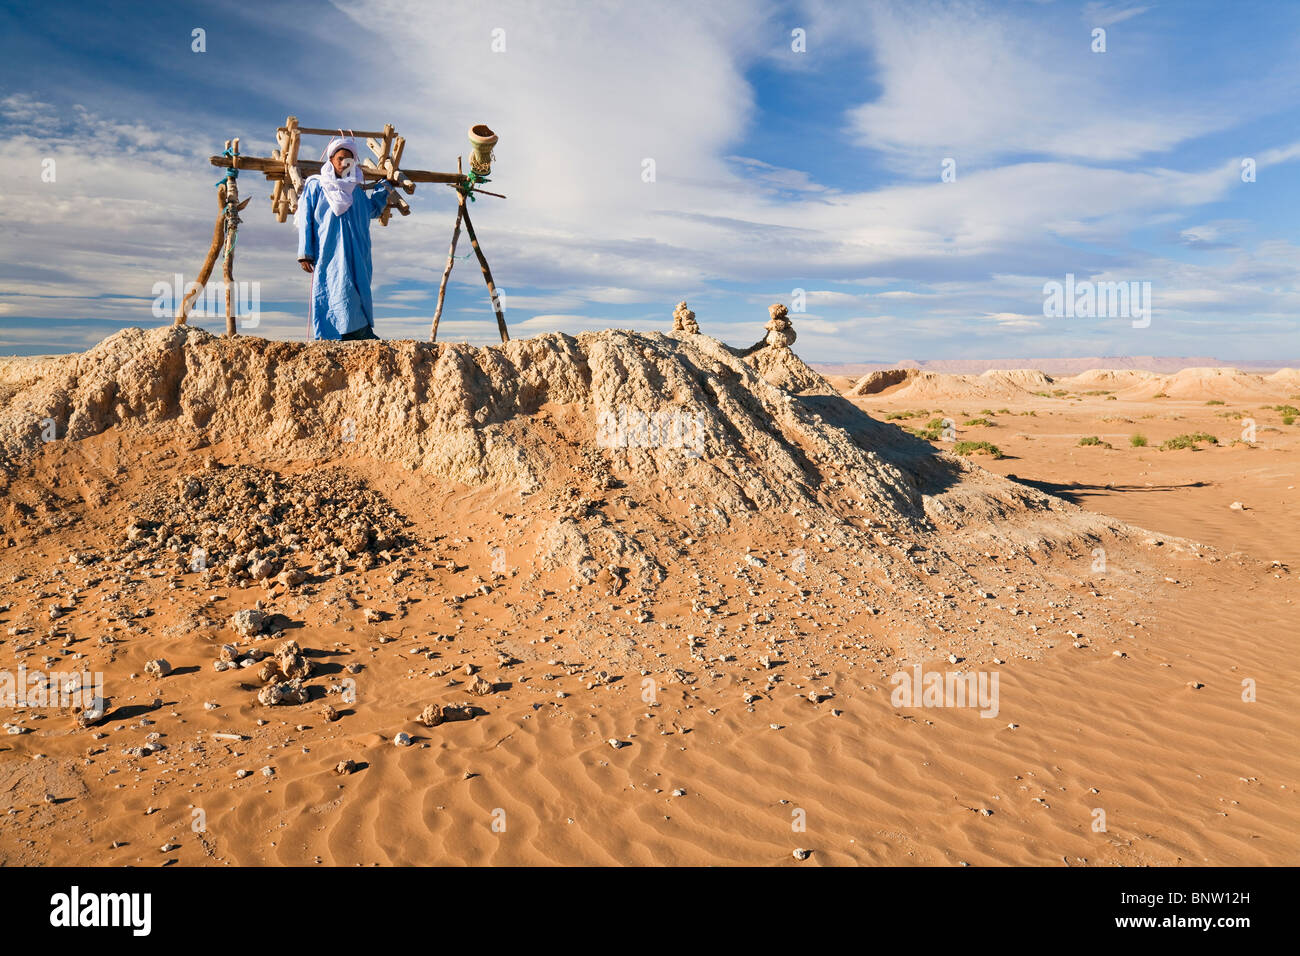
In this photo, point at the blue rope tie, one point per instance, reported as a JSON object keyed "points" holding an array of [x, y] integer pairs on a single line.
{"points": [[231, 173]]}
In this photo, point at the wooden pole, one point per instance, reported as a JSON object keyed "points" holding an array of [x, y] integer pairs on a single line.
{"points": [[218, 234], [273, 168], [228, 260], [451, 259], [487, 273]]}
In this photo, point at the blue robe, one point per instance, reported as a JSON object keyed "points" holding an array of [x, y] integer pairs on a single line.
{"points": [[340, 247]]}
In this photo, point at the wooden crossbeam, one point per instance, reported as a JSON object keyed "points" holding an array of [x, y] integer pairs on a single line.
{"points": [[310, 131], [274, 169]]}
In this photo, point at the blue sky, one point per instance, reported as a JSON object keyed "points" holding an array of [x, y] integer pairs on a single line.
{"points": [[775, 170]]}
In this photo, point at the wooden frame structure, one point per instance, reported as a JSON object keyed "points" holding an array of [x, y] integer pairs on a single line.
{"points": [[288, 174]]}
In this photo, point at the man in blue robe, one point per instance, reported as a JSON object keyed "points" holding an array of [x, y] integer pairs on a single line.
{"points": [[333, 221]]}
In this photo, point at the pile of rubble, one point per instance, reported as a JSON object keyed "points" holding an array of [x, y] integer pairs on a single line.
{"points": [[244, 522]]}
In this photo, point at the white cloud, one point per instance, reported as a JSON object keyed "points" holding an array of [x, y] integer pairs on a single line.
{"points": [[975, 82], [1107, 14]]}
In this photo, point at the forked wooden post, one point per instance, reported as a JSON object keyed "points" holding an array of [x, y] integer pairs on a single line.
{"points": [[232, 227], [218, 234], [487, 273], [451, 259], [462, 215]]}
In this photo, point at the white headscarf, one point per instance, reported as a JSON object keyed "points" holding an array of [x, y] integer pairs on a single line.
{"points": [[338, 191]]}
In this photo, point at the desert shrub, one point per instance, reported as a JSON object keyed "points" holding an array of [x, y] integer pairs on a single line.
{"points": [[1187, 441], [1216, 401], [983, 422], [977, 448], [1138, 441], [1289, 413], [933, 430], [1094, 440], [893, 416]]}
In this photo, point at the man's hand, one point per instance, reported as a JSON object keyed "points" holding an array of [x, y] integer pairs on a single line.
{"points": [[306, 265]]}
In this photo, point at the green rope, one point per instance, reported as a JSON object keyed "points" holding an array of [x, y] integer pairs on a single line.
{"points": [[470, 180]]}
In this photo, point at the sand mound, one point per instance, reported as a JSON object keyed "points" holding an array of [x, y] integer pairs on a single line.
{"points": [[785, 370], [676, 411], [570, 418], [993, 384], [1206, 383], [1027, 379], [1285, 376], [878, 381], [1108, 378]]}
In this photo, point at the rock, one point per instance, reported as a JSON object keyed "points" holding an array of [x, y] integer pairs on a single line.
{"points": [[801, 854], [480, 687], [345, 767], [290, 692], [228, 653], [329, 714], [241, 774], [294, 666], [248, 623], [402, 740], [1237, 506], [89, 716], [432, 716], [356, 539], [780, 333], [292, 577], [684, 320], [616, 743], [157, 668], [269, 671], [263, 568]]}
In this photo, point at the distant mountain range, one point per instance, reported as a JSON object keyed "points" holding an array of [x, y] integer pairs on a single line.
{"points": [[1057, 366]]}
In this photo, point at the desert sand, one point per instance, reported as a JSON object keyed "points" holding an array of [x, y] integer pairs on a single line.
{"points": [[640, 643]]}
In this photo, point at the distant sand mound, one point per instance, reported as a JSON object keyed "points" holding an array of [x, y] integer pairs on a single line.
{"points": [[878, 381], [994, 384], [1109, 378], [1206, 383], [1027, 379]]}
